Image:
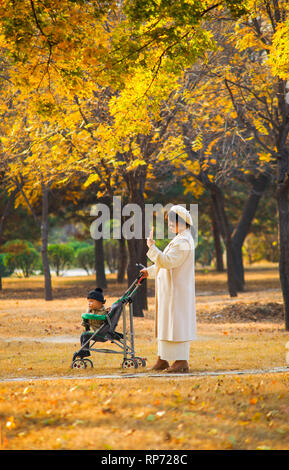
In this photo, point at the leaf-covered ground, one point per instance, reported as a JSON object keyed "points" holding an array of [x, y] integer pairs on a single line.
{"points": [[38, 338], [222, 412]]}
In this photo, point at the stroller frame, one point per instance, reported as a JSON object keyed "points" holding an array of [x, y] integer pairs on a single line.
{"points": [[123, 341]]}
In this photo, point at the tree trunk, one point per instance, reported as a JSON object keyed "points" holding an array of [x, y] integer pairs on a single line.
{"points": [[282, 193], [7, 209], [239, 234], [218, 200], [4, 217], [283, 218], [137, 248], [99, 263], [44, 244], [217, 241], [238, 266], [122, 260]]}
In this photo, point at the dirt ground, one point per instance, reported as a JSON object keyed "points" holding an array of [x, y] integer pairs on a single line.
{"points": [[44, 404]]}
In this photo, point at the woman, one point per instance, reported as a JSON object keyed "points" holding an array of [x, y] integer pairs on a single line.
{"points": [[174, 272]]}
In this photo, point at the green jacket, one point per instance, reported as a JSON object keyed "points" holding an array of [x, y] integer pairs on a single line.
{"points": [[94, 323]]}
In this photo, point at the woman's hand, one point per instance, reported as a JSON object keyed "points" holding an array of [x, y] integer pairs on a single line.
{"points": [[150, 240], [144, 272]]}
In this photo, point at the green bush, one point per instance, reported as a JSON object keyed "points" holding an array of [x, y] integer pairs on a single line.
{"points": [[85, 258], [205, 250], [76, 244], [111, 254], [162, 243], [21, 255], [60, 256], [5, 271]]}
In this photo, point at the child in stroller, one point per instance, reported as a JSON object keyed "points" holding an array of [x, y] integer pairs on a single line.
{"points": [[105, 329], [93, 319]]}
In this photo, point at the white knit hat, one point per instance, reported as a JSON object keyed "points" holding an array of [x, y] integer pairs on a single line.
{"points": [[183, 213]]}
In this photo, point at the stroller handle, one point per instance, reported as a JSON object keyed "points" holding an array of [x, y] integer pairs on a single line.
{"points": [[141, 266], [129, 293]]}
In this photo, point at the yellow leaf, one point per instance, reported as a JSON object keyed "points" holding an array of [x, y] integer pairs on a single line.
{"points": [[91, 179], [213, 432], [263, 448], [256, 416]]}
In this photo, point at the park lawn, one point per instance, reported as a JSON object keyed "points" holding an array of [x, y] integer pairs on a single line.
{"points": [[76, 409]]}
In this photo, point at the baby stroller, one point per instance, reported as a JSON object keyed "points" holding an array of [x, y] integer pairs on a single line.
{"points": [[107, 332]]}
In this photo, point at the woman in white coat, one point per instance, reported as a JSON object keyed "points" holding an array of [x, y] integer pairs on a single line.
{"points": [[174, 274]]}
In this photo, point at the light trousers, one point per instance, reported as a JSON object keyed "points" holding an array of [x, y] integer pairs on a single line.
{"points": [[174, 350]]}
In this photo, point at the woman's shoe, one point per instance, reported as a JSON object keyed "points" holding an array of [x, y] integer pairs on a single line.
{"points": [[161, 364], [177, 367]]}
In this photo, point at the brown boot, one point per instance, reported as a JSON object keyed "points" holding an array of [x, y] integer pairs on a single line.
{"points": [[161, 364], [178, 366]]}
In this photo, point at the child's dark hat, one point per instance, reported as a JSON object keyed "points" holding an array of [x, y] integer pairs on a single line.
{"points": [[96, 294]]}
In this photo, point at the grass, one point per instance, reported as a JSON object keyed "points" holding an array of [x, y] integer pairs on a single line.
{"points": [[51, 408]]}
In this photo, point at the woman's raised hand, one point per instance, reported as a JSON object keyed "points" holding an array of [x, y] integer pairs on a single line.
{"points": [[150, 240]]}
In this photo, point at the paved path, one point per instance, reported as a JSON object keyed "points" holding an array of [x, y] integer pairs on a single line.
{"points": [[274, 370]]}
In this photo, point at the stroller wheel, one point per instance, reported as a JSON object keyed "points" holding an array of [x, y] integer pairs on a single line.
{"points": [[130, 364], [141, 362], [79, 364], [88, 362]]}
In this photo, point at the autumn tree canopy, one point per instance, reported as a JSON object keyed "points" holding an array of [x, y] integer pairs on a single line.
{"points": [[114, 90]]}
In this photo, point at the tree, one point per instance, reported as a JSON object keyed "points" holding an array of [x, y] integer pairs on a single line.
{"points": [[20, 254], [140, 51], [261, 106], [60, 256], [85, 258]]}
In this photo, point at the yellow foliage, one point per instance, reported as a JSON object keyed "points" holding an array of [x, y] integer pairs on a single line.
{"points": [[279, 52], [198, 143], [266, 157], [91, 179], [193, 186]]}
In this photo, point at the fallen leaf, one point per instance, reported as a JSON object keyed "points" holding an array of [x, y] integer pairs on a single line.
{"points": [[107, 410], [256, 417], [263, 448], [10, 423], [77, 422], [213, 432], [243, 423], [253, 401], [107, 401]]}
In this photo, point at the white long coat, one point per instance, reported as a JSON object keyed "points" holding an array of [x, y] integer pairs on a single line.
{"points": [[174, 273]]}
